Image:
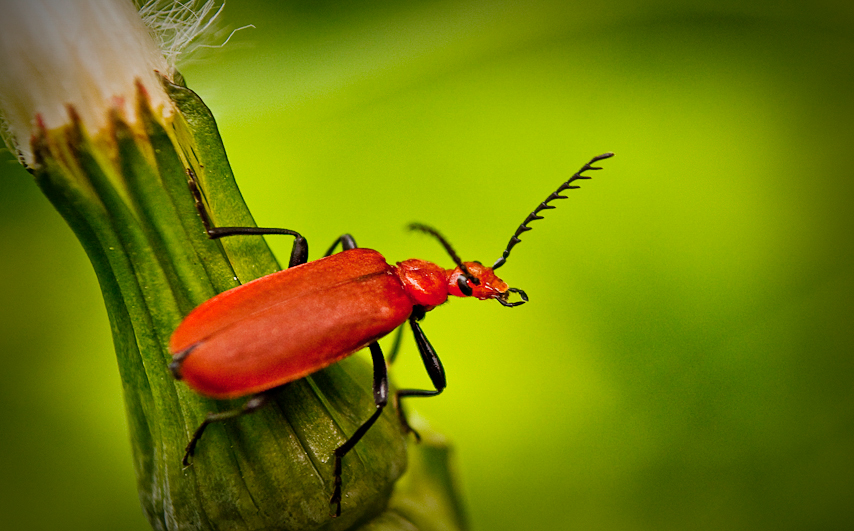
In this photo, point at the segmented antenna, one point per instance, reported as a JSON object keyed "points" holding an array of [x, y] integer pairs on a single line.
{"points": [[433, 232], [546, 206]]}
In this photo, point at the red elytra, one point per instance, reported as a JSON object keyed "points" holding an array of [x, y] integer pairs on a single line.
{"points": [[287, 325]]}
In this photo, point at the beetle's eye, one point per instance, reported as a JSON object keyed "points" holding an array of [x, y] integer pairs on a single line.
{"points": [[462, 283]]}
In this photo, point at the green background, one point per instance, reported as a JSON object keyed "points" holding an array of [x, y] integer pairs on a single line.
{"points": [[687, 357]]}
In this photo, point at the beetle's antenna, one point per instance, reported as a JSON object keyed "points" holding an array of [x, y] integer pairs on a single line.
{"points": [[546, 206], [433, 232]]}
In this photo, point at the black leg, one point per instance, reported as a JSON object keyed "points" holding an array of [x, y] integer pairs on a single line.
{"points": [[395, 346], [252, 405], [347, 242], [380, 399], [434, 369], [299, 252]]}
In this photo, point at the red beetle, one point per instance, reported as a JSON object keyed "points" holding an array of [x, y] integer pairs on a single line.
{"points": [[254, 338]]}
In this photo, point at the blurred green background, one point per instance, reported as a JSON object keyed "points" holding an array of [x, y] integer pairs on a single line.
{"points": [[687, 357]]}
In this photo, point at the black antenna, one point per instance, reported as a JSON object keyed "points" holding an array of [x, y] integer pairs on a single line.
{"points": [[545, 206], [433, 232]]}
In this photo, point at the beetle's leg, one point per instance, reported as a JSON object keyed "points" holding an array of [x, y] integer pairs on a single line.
{"points": [[380, 399], [347, 242], [395, 346], [434, 369], [250, 406], [299, 251]]}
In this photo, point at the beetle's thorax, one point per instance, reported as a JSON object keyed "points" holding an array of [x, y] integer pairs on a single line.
{"points": [[425, 282]]}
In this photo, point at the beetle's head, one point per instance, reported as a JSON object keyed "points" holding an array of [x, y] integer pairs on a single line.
{"points": [[482, 283], [473, 279]]}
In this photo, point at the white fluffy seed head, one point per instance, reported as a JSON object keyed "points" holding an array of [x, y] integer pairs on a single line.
{"points": [[88, 54]]}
